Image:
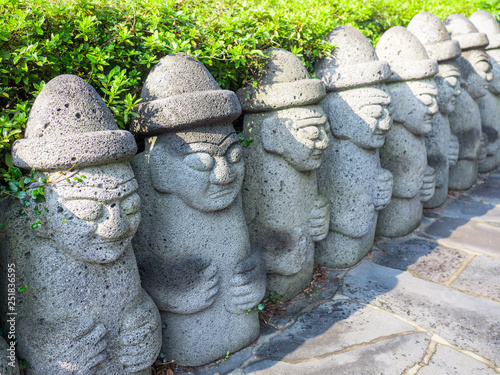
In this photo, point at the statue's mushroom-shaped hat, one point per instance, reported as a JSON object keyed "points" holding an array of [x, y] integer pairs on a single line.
{"points": [[406, 55], [353, 63], [181, 94], [463, 30], [432, 33], [486, 23], [284, 83], [70, 125]]}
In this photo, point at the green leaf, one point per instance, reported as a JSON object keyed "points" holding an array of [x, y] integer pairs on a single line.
{"points": [[8, 160], [14, 186]]}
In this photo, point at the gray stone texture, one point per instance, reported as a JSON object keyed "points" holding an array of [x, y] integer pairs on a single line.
{"points": [[448, 361], [413, 95], [6, 363], [193, 251], [284, 212], [468, 235], [425, 258], [351, 176], [84, 310], [329, 329], [468, 322], [442, 146], [489, 105], [465, 120], [389, 357], [481, 277]]}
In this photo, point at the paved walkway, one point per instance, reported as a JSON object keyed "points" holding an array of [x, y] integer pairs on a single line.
{"points": [[426, 304]]}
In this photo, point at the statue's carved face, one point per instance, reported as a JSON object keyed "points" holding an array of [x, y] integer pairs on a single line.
{"points": [[299, 135], [361, 115], [477, 84], [494, 85], [95, 220], [414, 104], [448, 85], [206, 172]]}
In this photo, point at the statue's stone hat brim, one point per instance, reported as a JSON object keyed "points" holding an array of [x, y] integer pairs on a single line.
{"points": [[353, 76], [406, 55], [445, 50], [465, 33], [75, 150], [432, 33], [471, 41], [486, 23], [281, 95], [408, 71], [186, 111]]}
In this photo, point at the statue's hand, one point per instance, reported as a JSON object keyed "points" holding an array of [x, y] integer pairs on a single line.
{"points": [[87, 348], [248, 284], [140, 336], [383, 189], [319, 219], [428, 184], [453, 150], [191, 285], [483, 149]]}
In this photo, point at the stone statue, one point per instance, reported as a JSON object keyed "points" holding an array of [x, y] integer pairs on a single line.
{"points": [[284, 212], [465, 120], [442, 146], [413, 101], [84, 310], [489, 105], [193, 251], [357, 108]]}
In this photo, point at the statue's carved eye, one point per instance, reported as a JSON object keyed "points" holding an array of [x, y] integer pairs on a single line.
{"points": [[200, 161], [309, 132], [373, 110], [234, 154], [452, 81], [131, 204], [482, 66], [84, 209]]}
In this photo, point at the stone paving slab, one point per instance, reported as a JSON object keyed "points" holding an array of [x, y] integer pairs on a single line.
{"points": [[331, 327], [448, 361], [425, 258], [389, 357], [466, 234], [325, 291], [487, 191], [468, 322], [473, 211], [481, 277]]}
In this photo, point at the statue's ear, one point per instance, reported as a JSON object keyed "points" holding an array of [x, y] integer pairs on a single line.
{"points": [[270, 132], [159, 163]]}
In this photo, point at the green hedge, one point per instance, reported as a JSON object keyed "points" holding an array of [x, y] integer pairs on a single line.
{"points": [[113, 44]]}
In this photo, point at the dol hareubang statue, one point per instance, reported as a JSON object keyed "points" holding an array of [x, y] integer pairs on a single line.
{"points": [[194, 252], [489, 105], [465, 120], [413, 101], [357, 107], [442, 146], [284, 211], [84, 311]]}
